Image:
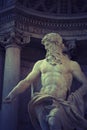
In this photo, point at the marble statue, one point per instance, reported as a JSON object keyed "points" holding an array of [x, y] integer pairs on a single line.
{"points": [[51, 108]]}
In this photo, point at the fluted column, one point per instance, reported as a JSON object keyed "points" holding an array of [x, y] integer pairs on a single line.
{"points": [[11, 78]]}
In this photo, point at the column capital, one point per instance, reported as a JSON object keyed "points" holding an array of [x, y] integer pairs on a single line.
{"points": [[14, 38], [71, 46]]}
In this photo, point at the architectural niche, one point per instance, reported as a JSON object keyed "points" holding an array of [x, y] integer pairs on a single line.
{"points": [[22, 25]]}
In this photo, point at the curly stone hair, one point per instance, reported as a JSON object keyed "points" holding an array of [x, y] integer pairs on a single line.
{"points": [[52, 38]]}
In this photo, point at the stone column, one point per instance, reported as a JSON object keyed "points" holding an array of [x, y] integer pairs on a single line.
{"points": [[11, 78]]}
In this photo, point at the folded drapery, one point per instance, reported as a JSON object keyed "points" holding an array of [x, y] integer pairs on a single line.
{"points": [[69, 113]]}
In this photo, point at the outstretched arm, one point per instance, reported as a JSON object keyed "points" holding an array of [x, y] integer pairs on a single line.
{"points": [[24, 84]]}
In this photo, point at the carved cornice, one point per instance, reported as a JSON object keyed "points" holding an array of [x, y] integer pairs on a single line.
{"points": [[38, 26], [14, 38], [38, 31], [51, 23]]}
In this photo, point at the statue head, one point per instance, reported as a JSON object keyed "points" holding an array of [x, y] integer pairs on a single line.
{"points": [[52, 39]]}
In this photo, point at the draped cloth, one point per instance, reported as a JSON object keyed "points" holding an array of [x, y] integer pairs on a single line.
{"points": [[69, 115]]}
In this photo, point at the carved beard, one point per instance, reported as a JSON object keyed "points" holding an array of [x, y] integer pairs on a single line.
{"points": [[53, 59]]}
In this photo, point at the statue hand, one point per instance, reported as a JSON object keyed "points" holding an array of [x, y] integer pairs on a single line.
{"points": [[8, 99]]}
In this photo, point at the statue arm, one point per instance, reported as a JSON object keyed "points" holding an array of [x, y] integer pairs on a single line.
{"points": [[24, 84], [78, 73]]}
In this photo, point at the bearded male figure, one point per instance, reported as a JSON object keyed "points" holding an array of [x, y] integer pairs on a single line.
{"points": [[51, 109]]}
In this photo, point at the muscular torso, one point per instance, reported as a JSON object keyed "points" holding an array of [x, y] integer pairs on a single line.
{"points": [[56, 80]]}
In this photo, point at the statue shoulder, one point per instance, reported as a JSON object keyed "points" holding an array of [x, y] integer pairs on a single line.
{"points": [[74, 65], [38, 63]]}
